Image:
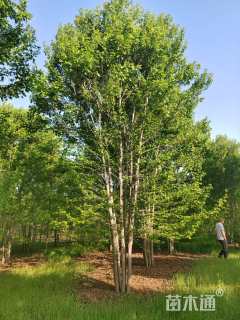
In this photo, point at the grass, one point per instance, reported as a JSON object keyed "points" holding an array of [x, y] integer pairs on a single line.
{"points": [[46, 292]]}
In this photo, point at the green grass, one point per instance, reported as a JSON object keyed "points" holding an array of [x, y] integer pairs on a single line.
{"points": [[48, 292]]}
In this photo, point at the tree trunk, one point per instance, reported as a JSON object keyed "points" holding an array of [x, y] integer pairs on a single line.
{"points": [[46, 237], [114, 228], [29, 235], [122, 221], [130, 246], [34, 234], [148, 252], [3, 253], [6, 247], [124, 283], [131, 214], [56, 238], [171, 246], [9, 249], [147, 241]]}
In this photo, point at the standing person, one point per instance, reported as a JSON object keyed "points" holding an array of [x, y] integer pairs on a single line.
{"points": [[221, 237]]}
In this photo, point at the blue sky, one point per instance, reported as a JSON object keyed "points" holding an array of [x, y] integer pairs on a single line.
{"points": [[212, 32]]}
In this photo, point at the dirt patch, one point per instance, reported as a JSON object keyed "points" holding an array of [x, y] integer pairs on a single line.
{"points": [[98, 284], [22, 262]]}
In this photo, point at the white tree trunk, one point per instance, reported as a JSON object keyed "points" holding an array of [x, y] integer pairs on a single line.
{"points": [[6, 246], [124, 283], [171, 246]]}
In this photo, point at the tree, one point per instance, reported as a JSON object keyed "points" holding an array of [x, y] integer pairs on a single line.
{"points": [[18, 49], [44, 191], [56, 193], [174, 195], [11, 132], [111, 74], [27, 161], [222, 168]]}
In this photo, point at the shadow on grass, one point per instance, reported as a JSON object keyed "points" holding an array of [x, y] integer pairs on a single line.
{"points": [[48, 292]]}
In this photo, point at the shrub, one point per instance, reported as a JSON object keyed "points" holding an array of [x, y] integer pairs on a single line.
{"points": [[62, 253], [201, 244]]}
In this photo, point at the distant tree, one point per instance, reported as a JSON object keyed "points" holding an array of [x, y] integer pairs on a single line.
{"points": [[173, 192], [44, 191], [18, 49], [56, 191], [28, 166], [11, 132], [222, 168]]}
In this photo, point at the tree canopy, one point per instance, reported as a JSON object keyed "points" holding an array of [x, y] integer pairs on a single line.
{"points": [[17, 49], [119, 84]]}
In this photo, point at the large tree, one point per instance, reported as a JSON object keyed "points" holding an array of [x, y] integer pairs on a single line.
{"points": [[118, 79], [17, 49]]}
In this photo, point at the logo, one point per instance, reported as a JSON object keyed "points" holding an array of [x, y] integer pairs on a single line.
{"points": [[202, 303]]}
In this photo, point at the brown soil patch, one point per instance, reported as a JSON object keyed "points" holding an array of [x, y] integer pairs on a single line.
{"points": [[22, 262], [98, 284]]}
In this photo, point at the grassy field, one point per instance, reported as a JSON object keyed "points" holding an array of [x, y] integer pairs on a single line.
{"points": [[47, 292]]}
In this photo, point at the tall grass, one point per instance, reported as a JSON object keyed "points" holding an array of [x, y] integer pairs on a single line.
{"points": [[47, 292]]}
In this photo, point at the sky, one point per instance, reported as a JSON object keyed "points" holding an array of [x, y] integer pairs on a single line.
{"points": [[212, 33]]}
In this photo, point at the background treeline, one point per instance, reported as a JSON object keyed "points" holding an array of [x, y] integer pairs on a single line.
{"points": [[108, 155]]}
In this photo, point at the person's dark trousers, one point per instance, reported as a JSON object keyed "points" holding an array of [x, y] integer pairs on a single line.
{"points": [[224, 251]]}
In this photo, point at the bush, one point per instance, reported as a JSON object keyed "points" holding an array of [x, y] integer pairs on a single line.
{"points": [[62, 253], [203, 244], [24, 249]]}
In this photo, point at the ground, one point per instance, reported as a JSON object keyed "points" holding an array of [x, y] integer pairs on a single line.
{"points": [[97, 284], [82, 289]]}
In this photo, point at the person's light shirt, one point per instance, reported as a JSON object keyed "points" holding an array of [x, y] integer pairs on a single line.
{"points": [[220, 231]]}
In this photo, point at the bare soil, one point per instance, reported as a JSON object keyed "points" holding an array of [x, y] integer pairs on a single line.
{"points": [[98, 284], [21, 262]]}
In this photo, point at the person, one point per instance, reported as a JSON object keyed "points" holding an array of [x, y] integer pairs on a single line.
{"points": [[221, 237]]}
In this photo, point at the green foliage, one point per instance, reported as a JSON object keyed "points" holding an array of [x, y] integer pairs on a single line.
{"points": [[222, 167], [66, 252], [43, 190], [23, 249], [18, 49], [118, 84], [12, 132], [198, 244]]}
